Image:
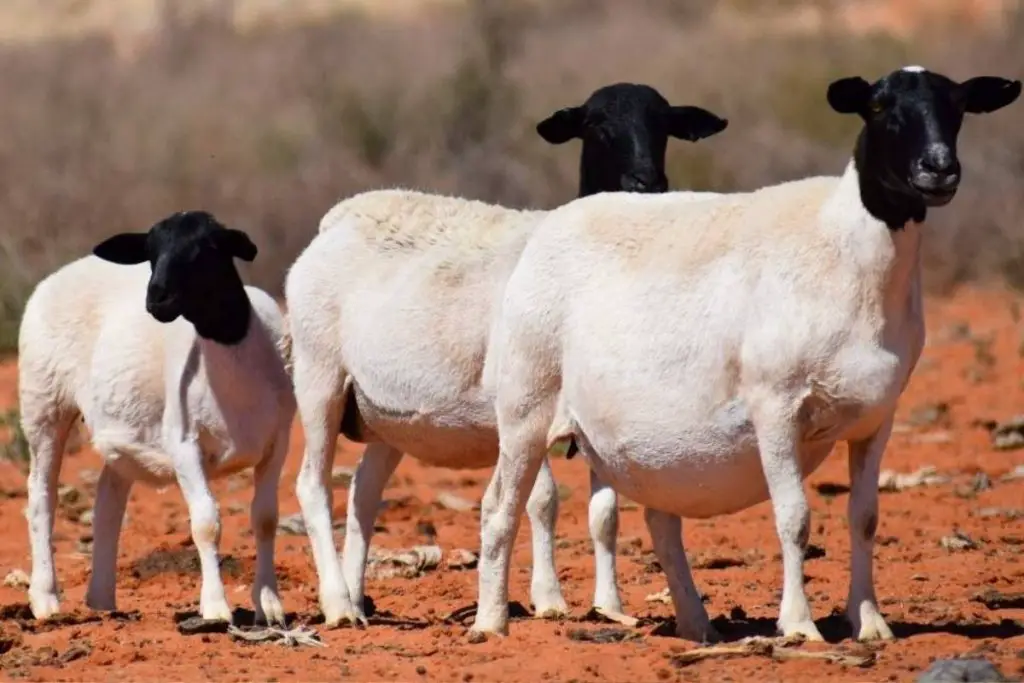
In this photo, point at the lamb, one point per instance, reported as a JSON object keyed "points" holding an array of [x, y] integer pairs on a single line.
{"points": [[729, 344], [390, 309], [191, 388]]}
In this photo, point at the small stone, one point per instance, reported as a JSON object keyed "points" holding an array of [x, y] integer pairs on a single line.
{"points": [[476, 637], [966, 670], [342, 475], [292, 525], [958, 541], [460, 558], [451, 501], [68, 495], [16, 578]]}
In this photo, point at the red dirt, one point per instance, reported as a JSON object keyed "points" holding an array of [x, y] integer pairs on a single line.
{"points": [[925, 590]]}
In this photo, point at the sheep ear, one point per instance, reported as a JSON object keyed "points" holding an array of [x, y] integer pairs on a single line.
{"points": [[127, 249], [562, 126], [849, 95], [237, 243], [984, 94], [694, 123]]}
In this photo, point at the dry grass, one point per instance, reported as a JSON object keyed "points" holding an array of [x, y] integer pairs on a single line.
{"points": [[269, 126]]}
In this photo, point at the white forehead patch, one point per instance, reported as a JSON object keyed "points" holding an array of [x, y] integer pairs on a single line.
{"points": [[914, 69]]}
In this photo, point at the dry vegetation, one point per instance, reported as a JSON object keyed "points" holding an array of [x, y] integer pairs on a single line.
{"points": [[267, 127]]}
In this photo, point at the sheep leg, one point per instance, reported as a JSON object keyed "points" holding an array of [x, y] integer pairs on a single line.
{"points": [[862, 606], [205, 522], [692, 621], [375, 467], [777, 439], [500, 514], [542, 509], [321, 398], [604, 529], [263, 514], [112, 491], [47, 435]]}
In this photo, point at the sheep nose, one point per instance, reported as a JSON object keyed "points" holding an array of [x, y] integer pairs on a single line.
{"points": [[642, 183], [157, 293], [939, 159]]}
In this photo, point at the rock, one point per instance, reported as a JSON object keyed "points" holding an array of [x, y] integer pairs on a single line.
{"points": [[1016, 473], [965, 670], [462, 559], [888, 480], [1008, 435], [451, 501], [292, 525], [995, 599], [929, 414], [68, 495], [386, 564], [958, 541], [16, 578], [341, 476]]}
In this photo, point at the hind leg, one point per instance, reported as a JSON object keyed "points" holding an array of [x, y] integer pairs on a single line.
{"points": [[364, 495], [47, 432], [692, 621], [112, 491], [320, 396], [263, 514], [604, 528], [542, 509]]}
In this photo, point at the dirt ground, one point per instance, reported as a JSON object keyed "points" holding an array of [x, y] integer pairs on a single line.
{"points": [[972, 370]]}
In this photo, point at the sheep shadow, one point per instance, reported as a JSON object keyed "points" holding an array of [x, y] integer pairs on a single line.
{"points": [[835, 628], [182, 561]]}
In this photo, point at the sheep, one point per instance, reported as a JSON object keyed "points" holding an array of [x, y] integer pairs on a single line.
{"points": [[729, 344], [389, 312], [165, 399]]}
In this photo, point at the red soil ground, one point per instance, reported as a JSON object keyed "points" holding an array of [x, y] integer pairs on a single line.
{"points": [[974, 364]]}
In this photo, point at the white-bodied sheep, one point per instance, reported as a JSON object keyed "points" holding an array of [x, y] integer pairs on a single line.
{"points": [[390, 310], [730, 343], [180, 379]]}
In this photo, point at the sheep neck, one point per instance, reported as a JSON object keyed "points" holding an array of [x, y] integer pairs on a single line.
{"points": [[884, 258], [224, 317]]}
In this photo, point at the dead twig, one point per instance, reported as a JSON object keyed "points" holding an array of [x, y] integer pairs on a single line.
{"points": [[272, 634], [779, 649]]}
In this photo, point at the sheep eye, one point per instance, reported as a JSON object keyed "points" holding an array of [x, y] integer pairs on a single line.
{"points": [[877, 107]]}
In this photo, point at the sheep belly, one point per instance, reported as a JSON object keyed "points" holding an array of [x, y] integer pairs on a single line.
{"points": [[458, 434], [699, 473]]}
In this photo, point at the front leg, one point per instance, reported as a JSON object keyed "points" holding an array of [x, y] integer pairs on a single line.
{"points": [[205, 521], [364, 495], [264, 516], [862, 606], [778, 441]]}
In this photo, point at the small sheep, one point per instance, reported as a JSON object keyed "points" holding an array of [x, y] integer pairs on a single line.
{"points": [[165, 399], [730, 343], [390, 312]]}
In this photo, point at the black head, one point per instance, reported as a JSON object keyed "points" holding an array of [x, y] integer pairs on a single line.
{"points": [[193, 273], [912, 118], [625, 128]]}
